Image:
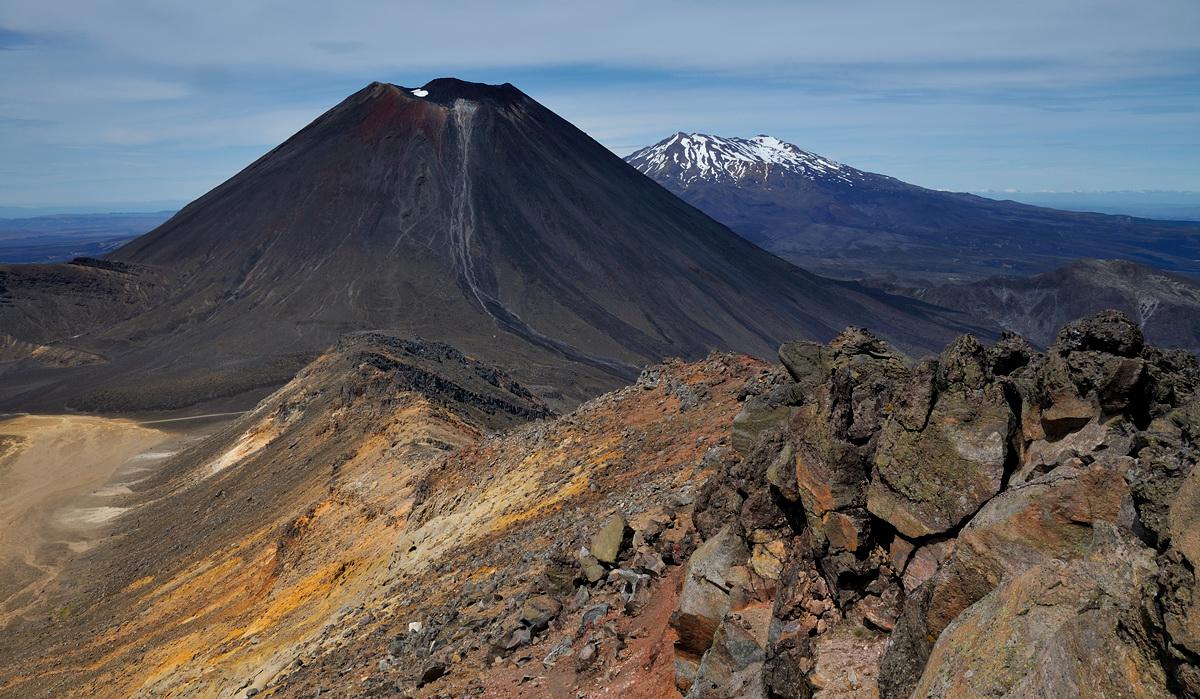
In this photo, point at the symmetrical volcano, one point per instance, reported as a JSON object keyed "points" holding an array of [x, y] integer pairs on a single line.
{"points": [[468, 214]]}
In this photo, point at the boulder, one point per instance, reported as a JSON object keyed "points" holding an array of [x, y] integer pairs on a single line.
{"points": [[591, 568], [833, 478], [790, 639], [1181, 601], [856, 341], [732, 666], [1108, 331], [1011, 353], [928, 481], [925, 562], [1058, 629], [539, 610], [1022, 528], [806, 361], [908, 648], [1096, 440], [781, 473], [767, 559], [899, 553], [705, 597], [848, 530], [1164, 465], [913, 400], [964, 365], [431, 673], [763, 412]]}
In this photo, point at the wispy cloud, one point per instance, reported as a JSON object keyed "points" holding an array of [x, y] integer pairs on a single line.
{"points": [[1072, 94], [12, 121], [11, 40]]}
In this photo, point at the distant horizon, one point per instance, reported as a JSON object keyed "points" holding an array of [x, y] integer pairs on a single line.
{"points": [[1163, 205]]}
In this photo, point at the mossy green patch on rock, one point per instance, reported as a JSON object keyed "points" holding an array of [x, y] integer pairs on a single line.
{"points": [[929, 480]]}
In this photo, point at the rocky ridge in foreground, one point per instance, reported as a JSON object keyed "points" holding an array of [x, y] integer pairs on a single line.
{"points": [[989, 522], [1014, 523]]}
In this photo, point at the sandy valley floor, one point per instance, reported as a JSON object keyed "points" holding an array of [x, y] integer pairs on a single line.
{"points": [[58, 476]]}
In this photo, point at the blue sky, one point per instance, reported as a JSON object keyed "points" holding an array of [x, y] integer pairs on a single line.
{"points": [[132, 104]]}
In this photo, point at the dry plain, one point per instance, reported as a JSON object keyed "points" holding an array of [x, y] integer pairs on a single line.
{"points": [[60, 476]]}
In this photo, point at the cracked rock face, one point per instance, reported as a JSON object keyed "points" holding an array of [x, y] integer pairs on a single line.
{"points": [[930, 502]]}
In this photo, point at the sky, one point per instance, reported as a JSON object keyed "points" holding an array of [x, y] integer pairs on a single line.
{"points": [[142, 104]]}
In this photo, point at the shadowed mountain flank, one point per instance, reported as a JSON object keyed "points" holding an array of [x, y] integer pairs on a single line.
{"points": [[467, 213], [1166, 306]]}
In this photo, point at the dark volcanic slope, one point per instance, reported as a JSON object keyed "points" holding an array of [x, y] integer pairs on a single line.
{"points": [[472, 215], [1166, 306], [849, 224]]}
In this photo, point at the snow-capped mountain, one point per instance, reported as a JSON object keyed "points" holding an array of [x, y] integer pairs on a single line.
{"points": [[849, 224], [686, 159]]}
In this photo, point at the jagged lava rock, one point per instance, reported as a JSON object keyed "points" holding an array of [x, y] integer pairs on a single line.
{"points": [[611, 538], [929, 480], [1059, 629]]}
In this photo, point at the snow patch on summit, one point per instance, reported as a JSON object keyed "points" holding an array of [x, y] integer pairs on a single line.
{"points": [[696, 157]]}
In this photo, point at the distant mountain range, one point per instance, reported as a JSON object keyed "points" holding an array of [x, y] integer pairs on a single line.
{"points": [[61, 237], [845, 223]]}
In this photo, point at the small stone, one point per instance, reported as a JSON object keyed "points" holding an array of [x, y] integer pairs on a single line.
{"points": [[594, 615], [431, 673], [650, 562], [578, 600], [559, 651], [586, 657], [518, 638], [608, 542], [879, 613], [637, 601], [592, 570]]}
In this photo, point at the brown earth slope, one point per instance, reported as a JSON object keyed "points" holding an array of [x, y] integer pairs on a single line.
{"points": [[321, 524], [990, 522]]}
